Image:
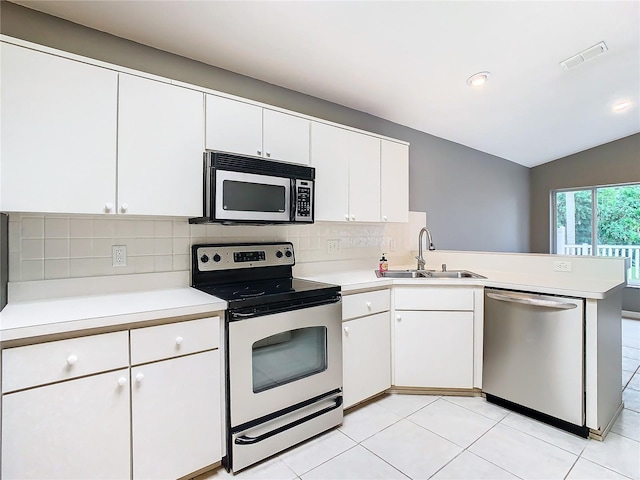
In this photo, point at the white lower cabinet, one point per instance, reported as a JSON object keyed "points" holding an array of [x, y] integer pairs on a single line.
{"points": [[176, 416], [75, 409], [366, 345], [77, 429], [434, 349], [176, 419], [433, 334]]}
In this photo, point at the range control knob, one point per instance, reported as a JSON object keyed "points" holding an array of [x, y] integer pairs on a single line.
{"points": [[204, 258], [217, 258], [288, 253], [279, 254]]}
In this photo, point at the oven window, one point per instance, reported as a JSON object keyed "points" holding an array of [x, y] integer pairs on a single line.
{"points": [[253, 197], [288, 356]]}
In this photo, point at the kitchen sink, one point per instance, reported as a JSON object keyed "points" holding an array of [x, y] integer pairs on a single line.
{"points": [[402, 274], [454, 274], [427, 274]]}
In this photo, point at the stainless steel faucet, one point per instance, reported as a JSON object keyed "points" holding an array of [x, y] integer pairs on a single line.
{"points": [[420, 258]]}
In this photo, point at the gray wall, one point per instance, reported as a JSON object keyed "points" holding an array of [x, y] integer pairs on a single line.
{"points": [[608, 164], [473, 201]]}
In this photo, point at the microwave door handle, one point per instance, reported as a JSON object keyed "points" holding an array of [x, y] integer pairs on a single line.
{"points": [[294, 199]]}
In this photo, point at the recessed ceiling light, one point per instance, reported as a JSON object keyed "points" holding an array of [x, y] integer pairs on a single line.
{"points": [[478, 79], [622, 105]]}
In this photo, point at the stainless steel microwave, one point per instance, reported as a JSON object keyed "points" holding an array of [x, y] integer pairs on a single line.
{"points": [[251, 190]]}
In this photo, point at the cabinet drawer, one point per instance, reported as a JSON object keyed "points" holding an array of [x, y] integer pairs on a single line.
{"points": [[174, 339], [361, 304], [32, 365], [433, 298]]}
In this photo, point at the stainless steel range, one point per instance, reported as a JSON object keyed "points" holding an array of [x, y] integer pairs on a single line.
{"points": [[283, 348]]}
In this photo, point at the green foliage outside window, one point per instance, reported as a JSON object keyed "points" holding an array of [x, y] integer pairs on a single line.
{"points": [[618, 215]]}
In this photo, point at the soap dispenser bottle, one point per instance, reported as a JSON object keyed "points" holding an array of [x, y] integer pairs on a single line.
{"points": [[384, 265]]}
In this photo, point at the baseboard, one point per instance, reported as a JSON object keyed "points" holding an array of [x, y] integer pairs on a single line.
{"points": [[460, 392], [601, 434]]}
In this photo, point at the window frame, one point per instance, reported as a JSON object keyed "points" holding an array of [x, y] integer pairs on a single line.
{"points": [[553, 240]]}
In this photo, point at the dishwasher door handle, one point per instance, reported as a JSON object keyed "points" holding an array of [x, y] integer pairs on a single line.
{"points": [[533, 301]]}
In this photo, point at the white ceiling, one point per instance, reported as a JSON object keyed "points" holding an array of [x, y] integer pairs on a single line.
{"points": [[408, 62]]}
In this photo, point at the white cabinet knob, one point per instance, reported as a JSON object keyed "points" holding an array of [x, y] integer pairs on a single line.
{"points": [[384, 218], [122, 381], [353, 217], [368, 305], [108, 207], [346, 329], [179, 340], [268, 154], [398, 318], [139, 377], [124, 207], [346, 217], [72, 359], [259, 152]]}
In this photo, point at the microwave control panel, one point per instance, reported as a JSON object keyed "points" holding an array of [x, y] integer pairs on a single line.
{"points": [[304, 201]]}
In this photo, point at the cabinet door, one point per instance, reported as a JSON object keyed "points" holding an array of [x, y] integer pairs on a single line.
{"points": [[394, 180], [58, 150], [160, 144], [77, 429], [366, 345], [330, 158], [286, 137], [177, 426], [433, 349], [233, 126], [364, 177]]}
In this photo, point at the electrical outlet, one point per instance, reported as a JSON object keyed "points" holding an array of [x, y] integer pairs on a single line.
{"points": [[561, 266], [119, 255], [392, 244], [333, 246]]}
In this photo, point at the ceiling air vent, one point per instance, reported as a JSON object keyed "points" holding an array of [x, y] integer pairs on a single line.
{"points": [[583, 56]]}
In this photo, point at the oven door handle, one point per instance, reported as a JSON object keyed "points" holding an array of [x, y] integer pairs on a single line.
{"points": [[238, 314], [245, 440]]}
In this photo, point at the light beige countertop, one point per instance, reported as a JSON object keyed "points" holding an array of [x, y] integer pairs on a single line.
{"points": [[36, 318], [58, 307], [359, 279]]}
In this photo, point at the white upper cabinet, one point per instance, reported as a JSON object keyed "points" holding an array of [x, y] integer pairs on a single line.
{"points": [[78, 138], [286, 137], [246, 129], [233, 126], [394, 181], [160, 145], [347, 174], [58, 133]]}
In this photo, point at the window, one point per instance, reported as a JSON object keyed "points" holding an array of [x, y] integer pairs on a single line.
{"points": [[601, 221]]}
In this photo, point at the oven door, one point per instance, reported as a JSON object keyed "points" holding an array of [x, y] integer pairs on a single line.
{"points": [[285, 381], [283, 359], [250, 197]]}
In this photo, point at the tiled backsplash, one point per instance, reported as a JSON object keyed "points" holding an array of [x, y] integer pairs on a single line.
{"points": [[54, 246]]}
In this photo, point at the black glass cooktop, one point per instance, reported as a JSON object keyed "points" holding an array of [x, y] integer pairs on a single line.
{"points": [[244, 294]]}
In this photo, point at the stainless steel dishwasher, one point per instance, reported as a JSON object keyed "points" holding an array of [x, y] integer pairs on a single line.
{"points": [[534, 356]]}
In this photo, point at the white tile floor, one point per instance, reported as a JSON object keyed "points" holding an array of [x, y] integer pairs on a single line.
{"points": [[420, 437]]}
